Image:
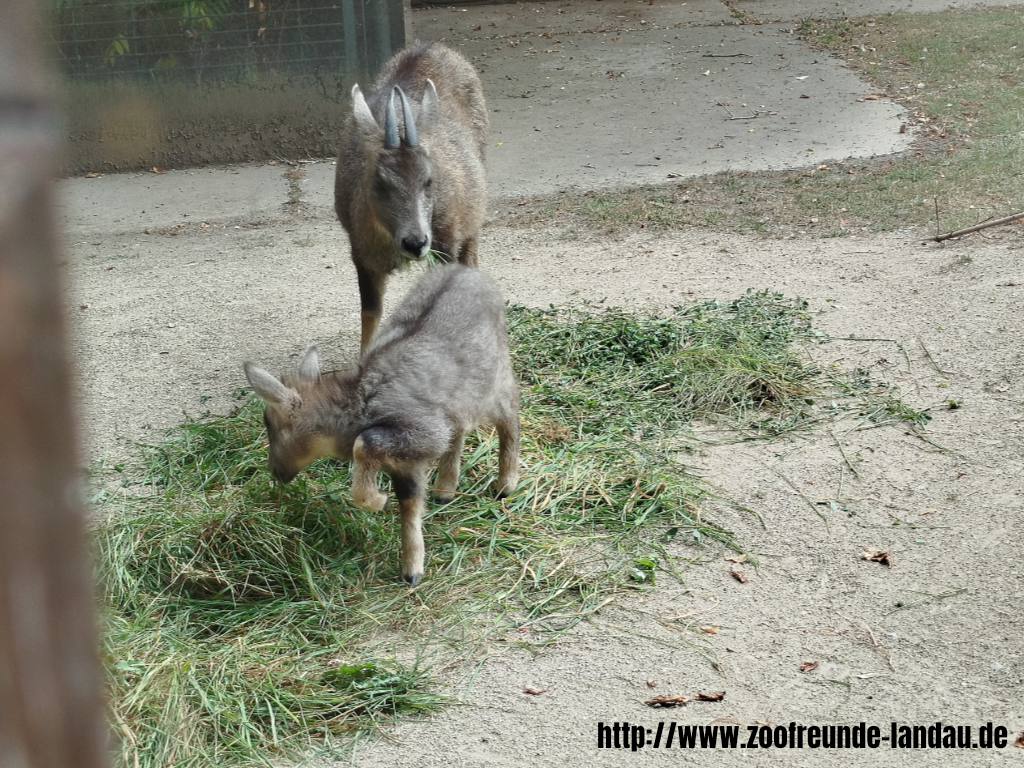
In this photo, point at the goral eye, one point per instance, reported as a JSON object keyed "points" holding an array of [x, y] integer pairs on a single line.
{"points": [[427, 183]]}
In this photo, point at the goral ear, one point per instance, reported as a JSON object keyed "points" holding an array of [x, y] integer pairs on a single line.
{"points": [[365, 122], [429, 108], [268, 387], [309, 367]]}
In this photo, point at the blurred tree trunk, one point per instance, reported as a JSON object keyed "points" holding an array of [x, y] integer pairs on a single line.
{"points": [[51, 713]]}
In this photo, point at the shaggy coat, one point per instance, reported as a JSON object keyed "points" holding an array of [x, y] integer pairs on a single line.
{"points": [[438, 368], [421, 187]]}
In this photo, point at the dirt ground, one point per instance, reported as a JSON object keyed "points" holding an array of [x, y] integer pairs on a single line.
{"points": [[162, 321]]}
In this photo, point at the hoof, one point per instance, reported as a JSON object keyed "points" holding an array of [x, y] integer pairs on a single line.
{"points": [[506, 487], [443, 497], [374, 502], [413, 579]]}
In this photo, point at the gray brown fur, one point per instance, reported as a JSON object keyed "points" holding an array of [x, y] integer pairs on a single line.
{"points": [[377, 190], [438, 368]]}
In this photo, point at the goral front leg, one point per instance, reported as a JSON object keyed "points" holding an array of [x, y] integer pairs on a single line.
{"points": [[371, 301], [410, 487], [365, 492], [448, 470], [468, 251]]}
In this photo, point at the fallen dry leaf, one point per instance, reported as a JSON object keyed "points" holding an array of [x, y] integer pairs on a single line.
{"points": [[652, 684], [928, 511], [674, 175], [872, 97], [666, 701], [709, 630], [876, 556], [93, 175], [710, 696], [1020, 741], [156, 169], [84, 306], [740, 576], [145, 231], [808, 666], [534, 691], [205, 225], [735, 558], [804, 96]]}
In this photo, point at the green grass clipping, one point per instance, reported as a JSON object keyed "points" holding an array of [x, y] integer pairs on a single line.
{"points": [[247, 621]]}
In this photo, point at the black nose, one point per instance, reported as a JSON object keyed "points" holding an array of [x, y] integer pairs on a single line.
{"points": [[414, 244], [282, 476]]}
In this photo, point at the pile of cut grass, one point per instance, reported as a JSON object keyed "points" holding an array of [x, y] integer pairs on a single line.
{"points": [[248, 620], [649, 376]]}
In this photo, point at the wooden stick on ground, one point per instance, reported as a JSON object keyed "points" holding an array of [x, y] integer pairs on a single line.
{"points": [[976, 227]]}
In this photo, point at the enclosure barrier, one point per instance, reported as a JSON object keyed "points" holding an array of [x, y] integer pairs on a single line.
{"points": [[176, 83]]}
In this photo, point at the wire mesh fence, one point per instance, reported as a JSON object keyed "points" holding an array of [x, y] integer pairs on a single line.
{"points": [[197, 40], [183, 83]]}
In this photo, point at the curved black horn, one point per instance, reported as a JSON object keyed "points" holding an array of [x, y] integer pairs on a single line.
{"points": [[391, 123], [411, 135]]}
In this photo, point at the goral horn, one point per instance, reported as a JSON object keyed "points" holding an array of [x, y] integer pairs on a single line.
{"points": [[391, 123], [411, 136]]}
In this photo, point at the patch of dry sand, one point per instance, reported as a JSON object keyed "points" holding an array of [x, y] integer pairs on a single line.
{"points": [[170, 318]]}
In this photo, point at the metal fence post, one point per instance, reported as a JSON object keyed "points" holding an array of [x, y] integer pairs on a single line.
{"points": [[410, 33]]}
